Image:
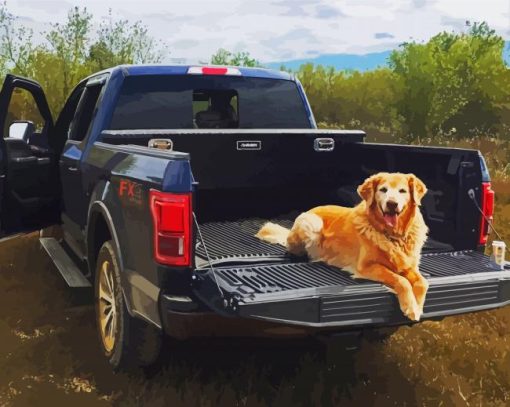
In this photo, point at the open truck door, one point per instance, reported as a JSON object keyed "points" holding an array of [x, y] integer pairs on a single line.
{"points": [[29, 184]]}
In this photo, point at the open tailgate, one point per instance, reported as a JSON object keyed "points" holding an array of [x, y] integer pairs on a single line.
{"points": [[318, 295]]}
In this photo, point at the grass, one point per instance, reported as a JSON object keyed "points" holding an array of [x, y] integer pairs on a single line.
{"points": [[49, 355], [495, 149]]}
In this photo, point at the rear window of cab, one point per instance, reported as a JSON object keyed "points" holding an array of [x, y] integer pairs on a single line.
{"points": [[208, 101]]}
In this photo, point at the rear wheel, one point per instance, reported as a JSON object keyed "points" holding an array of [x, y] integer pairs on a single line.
{"points": [[127, 342]]}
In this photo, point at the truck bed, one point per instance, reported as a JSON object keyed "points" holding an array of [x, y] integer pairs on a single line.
{"points": [[235, 274], [254, 279], [235, 241]]}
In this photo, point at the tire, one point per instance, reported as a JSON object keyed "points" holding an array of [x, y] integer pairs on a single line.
{"points": [[126, 342]]}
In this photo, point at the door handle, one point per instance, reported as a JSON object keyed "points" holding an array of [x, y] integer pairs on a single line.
{"points": [[70, 166], [324, 144]]}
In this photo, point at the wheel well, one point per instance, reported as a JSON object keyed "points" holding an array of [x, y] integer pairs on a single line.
{"points": [[98, 234]]}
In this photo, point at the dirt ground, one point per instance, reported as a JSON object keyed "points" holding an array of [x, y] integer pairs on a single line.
{"points": [[49, 355]]}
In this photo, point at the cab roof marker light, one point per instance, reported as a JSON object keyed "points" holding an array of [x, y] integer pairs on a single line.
{"points": [[213, 70]]}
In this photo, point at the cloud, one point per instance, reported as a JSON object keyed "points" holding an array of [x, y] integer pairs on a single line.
{"points": [[299, 34], [381, 36], [273, 30], [456, 23], [240, 46], [168, 17], [325, 11], [26, 20], [295, 8], [419, 3], [50, 6], [285, 44], [184, 44], [290, 9]]}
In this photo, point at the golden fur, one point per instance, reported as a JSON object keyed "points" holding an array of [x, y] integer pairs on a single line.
{"points": [[380, 239]]}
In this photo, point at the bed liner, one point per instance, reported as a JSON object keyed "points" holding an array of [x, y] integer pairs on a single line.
{"points": [[296, 291], [231, 240]]}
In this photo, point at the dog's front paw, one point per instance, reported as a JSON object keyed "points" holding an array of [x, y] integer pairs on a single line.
{"points": [[412, 311]]}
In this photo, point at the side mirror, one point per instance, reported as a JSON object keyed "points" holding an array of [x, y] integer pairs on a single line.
{"points": [[21, 130]]}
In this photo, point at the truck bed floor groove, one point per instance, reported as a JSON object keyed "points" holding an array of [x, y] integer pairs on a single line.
{"points": [[291, 276], [229, 239]]}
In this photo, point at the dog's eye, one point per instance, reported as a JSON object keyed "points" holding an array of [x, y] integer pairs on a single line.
{"points": [[384, 190], [402, 191]]}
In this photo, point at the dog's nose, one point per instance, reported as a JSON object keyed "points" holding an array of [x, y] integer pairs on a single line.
{"points": [[391, 206]]}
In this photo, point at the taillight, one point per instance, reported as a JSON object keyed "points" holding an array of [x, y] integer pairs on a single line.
{"points": [[171, 215], [487, 206]]}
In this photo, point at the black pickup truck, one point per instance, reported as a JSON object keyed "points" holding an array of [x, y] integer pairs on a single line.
{"points": [[160, 176]]}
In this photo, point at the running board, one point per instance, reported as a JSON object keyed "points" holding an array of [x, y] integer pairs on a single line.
{"points": [[64, 264]]}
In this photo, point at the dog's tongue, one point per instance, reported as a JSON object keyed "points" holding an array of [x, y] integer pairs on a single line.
{"points": [[391, 220]]}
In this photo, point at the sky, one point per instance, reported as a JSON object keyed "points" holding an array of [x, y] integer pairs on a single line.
{"points": [[279, 30]]}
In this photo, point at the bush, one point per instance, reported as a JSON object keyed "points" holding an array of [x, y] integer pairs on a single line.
{"points": [[456, 85]]}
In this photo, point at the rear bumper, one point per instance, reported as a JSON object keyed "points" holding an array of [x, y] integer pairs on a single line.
{"points": [[354, 305], [183, 325]]}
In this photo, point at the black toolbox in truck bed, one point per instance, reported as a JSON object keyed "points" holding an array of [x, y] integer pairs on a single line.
{"points": [[248, 278]]}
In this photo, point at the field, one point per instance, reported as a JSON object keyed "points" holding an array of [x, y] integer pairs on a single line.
{"points": [[49, 355]]}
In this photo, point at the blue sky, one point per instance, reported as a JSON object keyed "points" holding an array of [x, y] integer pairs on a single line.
{"points": [[280, 30]]}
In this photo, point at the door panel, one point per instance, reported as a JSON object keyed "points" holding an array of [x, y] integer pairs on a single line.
{"points": [[72, 192], [75, 197], [29, 182]]}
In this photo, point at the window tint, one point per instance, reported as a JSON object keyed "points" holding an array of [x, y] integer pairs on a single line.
{"points": [[215, 109], [188, 101], [152, 109], [67, 114], [84, 113]]}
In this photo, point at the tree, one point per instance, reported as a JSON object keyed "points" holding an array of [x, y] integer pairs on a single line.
{"points": [[68, 43], [224, 57], [16, 44], [350, 98], [456, 83], [71, 51], [120, 42]]}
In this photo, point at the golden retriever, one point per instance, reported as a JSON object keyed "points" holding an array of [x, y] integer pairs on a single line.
{"points": [[380, 239]]}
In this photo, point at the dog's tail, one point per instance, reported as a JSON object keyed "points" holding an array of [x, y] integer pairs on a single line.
{"points": [[273, 233]]}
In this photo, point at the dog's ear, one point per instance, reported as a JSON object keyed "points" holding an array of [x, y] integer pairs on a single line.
{"points": [[367, 190], [417, 188]]}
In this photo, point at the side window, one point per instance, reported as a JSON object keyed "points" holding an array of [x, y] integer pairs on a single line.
{"points": [[22, 106], [68, 111], [84, 113]]}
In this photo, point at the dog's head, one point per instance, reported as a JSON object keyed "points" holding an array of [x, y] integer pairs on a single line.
{"points": [[390, 196]]}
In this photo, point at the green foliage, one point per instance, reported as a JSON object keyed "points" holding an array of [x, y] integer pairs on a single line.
{"points": [[224, 57], [351, 99], [71, 52], [120, 42], [455, 86], [66, 52], [16, 46]]}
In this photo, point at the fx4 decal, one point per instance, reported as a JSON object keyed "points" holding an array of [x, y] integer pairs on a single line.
{"points": [[130, 192]]}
